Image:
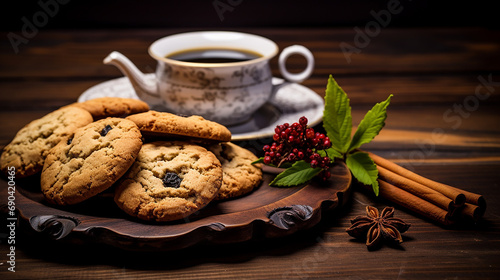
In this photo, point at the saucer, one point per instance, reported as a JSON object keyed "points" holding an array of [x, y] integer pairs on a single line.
{"points": [[290, 103]]}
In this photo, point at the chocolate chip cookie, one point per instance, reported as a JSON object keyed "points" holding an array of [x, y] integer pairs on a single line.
{"points": [[169, 181], [90, 161], [104, 107], [30, 146], [170, 125], [240, 176]]}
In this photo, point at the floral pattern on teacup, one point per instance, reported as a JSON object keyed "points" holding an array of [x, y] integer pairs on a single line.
{"points": [[190, 76], [255, 72], [210, 103], [202, 78]]}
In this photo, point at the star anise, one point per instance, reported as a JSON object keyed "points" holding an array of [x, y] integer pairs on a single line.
{"points": [[376, 228]]}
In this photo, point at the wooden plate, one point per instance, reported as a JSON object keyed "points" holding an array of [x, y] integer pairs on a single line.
{"points": [[267, 212]]}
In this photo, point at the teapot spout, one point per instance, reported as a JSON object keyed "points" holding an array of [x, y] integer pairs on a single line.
{"points": [[145, 89]]}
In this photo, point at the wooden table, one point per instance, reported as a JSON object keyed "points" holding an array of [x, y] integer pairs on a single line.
{"points": [[443, 123]]}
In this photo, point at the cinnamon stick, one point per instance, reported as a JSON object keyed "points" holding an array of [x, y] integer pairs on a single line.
{"points": [[470, 212], [464, 204], [454, 194], [414, 203], [473, 198], [417, 189]]}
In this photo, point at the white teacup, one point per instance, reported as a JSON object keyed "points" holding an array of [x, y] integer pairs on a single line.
{"points": [[225, 92]]}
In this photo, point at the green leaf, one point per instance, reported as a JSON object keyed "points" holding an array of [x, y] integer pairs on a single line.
{"points": [[260, 160], [300, 173], [363, 169], [371, 124], [337, 119], [331, 153]]}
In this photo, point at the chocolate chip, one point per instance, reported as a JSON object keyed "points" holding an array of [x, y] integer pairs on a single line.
{"points": [[171, 180], [69, 141], [105, 130]]}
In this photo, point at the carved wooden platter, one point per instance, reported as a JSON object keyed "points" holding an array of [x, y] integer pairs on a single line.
{"points": [[267, 212]]}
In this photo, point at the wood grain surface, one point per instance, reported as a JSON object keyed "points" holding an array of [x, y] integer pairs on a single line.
{"points": [[443, 123]]}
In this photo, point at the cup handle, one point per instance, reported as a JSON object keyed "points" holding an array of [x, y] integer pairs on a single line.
{"points": [[296, 49]]}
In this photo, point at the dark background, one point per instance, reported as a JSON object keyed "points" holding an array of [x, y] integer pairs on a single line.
{"points": [[90, 14]]}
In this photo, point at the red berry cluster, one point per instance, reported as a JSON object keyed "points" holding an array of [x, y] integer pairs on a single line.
{"points": [[298, 142]]}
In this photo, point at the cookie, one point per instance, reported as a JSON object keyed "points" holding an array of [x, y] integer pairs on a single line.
{"points": [[30, 146], [240, 176], [166, 124], [104, 107], [169, 181], [90, 161]]}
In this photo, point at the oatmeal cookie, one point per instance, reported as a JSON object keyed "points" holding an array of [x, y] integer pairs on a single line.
{"points": [[30, 146], [90, 161], [169, 181], [240, 176], [104, 107], [166, 124]]}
